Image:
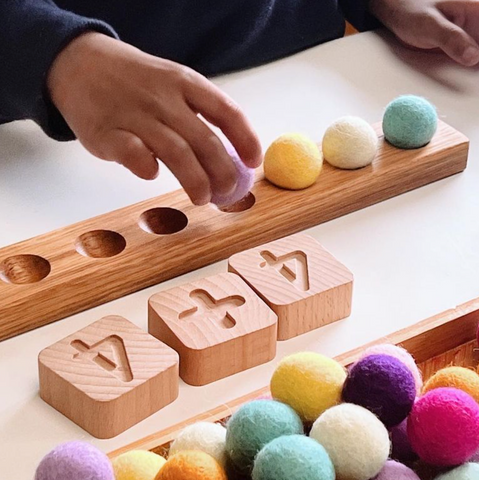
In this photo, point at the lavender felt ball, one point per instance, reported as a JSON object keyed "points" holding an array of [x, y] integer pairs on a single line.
{"points": [[244, 182], [396, 471], [75, 461], [401, 446], [383, 385]]}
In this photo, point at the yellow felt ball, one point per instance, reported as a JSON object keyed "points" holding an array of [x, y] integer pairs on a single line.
{"points": [[137, 465], [308, 382], [455, 377], [293, 161], [192, 465]]}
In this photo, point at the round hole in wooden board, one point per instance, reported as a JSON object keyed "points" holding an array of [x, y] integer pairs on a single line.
{"points": [[245, 204], [100, 244], [163, 221], [24, 269]]}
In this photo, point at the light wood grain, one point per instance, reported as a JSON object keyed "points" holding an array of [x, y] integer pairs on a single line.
{"points": [[299, 280], [218, 325], [108, 376], [112, 255], [449, 337]]}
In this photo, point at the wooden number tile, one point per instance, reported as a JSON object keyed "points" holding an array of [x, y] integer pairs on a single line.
{"points": [[302, 282], [218, 325], [108, 376]]}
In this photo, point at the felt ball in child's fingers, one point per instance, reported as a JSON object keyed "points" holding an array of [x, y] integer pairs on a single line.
{"points": [[309, 382], [443, 427], [468, 471], [383, 385], [137, 465], [455, 377], [207, 437], [254, 425], [293, 457], [355, 439], [399, 353], [74, 461], [393, 470], [191, 465]]}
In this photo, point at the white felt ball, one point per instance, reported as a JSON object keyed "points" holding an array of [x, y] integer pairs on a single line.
{"points": [[349, 143], [355, 439], [207, 437]]}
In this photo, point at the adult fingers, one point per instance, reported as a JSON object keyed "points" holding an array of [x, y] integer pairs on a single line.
{"points": [[220, 110], [175, 152]]}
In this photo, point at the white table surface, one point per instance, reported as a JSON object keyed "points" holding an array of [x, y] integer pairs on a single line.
{"points": [[412, 256]]}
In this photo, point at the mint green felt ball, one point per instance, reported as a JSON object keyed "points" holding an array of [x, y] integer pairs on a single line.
{"points": [[409, 122], [294, 457], [253, 426], [468, 471]]}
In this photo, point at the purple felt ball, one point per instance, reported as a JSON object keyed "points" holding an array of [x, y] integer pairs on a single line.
{"points": [[396, 471], [75, 461], [401, 446], [244, 182], [383, 385]]}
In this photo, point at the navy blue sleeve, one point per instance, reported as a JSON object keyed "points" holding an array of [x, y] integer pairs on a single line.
{"points": [[357, 13], [32, 33]]}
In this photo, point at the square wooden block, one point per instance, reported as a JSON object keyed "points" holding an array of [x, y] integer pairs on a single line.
{"points": [[302, 282], [108, 376], [218, 325]]}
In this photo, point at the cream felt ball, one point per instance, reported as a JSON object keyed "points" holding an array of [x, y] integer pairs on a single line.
{"points": [[254, 425], [293, 161], [205, 436], [409, 122], [191, 465], [443, 427], [396, 471], [244, 181], [401, 354], [137, 465], [382, 384], [468, 471], [355, 439], [294, 457], [74, 461], [309, 382], [455, 377], [350, 143]]}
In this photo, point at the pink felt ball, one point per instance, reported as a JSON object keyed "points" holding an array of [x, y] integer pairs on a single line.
{"points": [[396, 471], [244, 182], [399, 353], [444, 427]]}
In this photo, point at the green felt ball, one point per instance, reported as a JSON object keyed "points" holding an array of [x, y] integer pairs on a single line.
{"points": [[294, 457], [468, 471], [409, 122], [256, 424]]}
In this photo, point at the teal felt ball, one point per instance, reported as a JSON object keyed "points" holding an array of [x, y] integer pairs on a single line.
{"points": [[253, 426], [468, 471], [409, 122], [294, 457]]}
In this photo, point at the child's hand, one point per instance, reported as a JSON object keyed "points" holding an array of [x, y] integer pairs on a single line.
{"points": [[127, 106], [449, 25]]}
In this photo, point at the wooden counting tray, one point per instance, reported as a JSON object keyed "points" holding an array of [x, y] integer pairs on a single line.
{"points": [[445, 339], [98, 260]]}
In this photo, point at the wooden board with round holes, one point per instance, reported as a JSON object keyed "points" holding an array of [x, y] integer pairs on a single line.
{"points": [[63, 272]]}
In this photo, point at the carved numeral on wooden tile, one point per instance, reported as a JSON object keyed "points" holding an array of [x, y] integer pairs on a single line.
{"points": [[293, 266]]}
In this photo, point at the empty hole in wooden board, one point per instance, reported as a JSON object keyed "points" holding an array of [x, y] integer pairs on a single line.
{"points": [[100, 244], [23, 269], [245, 204], [163, 221]]}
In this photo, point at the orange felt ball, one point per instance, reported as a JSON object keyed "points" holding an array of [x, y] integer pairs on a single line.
{"points": [[191, 465]]}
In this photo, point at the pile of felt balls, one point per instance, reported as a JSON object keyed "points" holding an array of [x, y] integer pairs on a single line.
{"points": [[375, 420], [293, 161]]}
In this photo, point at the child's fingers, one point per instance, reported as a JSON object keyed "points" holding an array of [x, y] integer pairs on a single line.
{"points": [[453, 41], [220, 110], [175, 152], [128, 150], [208, 148]]}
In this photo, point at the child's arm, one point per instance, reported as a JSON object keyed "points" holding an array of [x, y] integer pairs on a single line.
{"points": [[449, 25], [122, 104]]}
